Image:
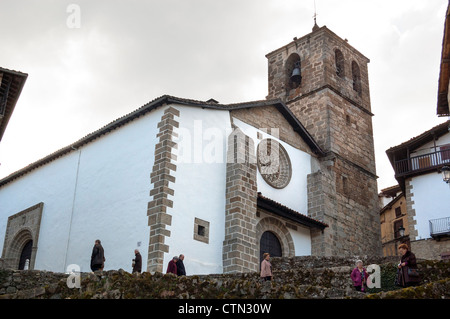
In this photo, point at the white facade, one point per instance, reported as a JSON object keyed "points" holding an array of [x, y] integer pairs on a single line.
{"points": [[430, 195], [431, 201], [199, 190], [101, 191], [103, 197], [294, 195]]}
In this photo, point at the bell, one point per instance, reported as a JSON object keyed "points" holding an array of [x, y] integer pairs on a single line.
{"points": [[296, 77]]}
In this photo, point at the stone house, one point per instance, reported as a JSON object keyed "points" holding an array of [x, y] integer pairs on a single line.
{"points": [[291, 175], [393, 218]]}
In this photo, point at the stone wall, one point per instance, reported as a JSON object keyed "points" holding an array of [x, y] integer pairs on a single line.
{"points": [[316, 52], [298, 277], [430, 248]]}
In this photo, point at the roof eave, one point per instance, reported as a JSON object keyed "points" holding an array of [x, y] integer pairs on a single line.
{"points": [[283, 211], [12, 101], [444, 72]]}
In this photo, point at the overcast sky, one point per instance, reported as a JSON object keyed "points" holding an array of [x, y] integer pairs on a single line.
{"points": [[120, 55]]}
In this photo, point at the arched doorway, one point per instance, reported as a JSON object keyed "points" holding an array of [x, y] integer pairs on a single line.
{"points": [[20, 249], [269, 243], [278, 235], [22, 237], [25, 254]]}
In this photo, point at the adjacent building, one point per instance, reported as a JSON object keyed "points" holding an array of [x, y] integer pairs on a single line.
{"points": [[420, 165], [417, 164]]}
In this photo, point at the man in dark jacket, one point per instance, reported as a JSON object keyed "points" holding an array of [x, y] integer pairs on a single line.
{"points": [[98, 256], [180, 266], [172, 267], [137, 267]]}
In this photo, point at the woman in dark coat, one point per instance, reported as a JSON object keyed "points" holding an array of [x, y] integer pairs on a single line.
{"points": [[137, 261], [407, 267], [98, 256]]}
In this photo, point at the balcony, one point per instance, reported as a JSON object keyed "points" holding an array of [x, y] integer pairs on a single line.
{"points": [[440, 227], [422, 163]]}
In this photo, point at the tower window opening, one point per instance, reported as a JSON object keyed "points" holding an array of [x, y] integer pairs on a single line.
{"points": [[356, 75], [293, 71], [339, 62]]}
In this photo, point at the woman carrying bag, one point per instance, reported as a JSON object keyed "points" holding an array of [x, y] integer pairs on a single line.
{"points": [[408, 274]]}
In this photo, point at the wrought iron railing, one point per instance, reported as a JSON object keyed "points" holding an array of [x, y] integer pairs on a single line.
{"points": [[440, 226], [422, 162]]}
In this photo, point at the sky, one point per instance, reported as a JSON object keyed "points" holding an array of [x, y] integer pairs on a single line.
{"points": [[90, 62]]}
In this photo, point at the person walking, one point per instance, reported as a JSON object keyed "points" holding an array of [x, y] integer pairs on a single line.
{"points": [[407, 268], [181, 271], [359, 277], [137, 261], [172, 267], [98, 256], [266, 268]]}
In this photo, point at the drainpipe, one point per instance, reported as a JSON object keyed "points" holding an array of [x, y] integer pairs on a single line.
{"points": [[73, 207]]}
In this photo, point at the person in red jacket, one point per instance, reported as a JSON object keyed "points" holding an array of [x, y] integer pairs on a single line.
{"points": [[172, 267], [359, 276]]}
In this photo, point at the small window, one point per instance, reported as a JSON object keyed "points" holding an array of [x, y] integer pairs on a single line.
{"points": [[339, 62], [398, 211], [348, 120], [344, 185], [201, 230]]}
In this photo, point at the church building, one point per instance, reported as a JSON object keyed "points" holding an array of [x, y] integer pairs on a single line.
{"points": [[292, 175]]}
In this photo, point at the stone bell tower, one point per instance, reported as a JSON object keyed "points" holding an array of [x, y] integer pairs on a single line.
{"points": [[324, 81]]}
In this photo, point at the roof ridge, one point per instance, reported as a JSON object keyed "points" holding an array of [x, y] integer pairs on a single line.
{"points": [[153, 104], [424, 134]]}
